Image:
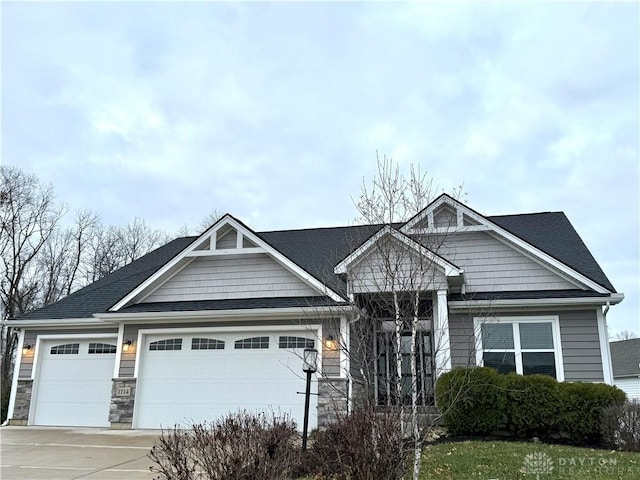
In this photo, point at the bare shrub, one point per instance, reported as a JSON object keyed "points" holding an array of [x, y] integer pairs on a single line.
{"points": [[364, 445], [621, 426], [238, 447]]}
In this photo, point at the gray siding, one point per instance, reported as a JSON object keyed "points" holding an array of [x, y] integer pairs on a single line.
{"points": [[581, 346], [490, 265], [128, 359], [578, 333], [462, 340], [331, 357], [406, 272], [30, 337], [231, 276], [227, 240], [445, 217]]}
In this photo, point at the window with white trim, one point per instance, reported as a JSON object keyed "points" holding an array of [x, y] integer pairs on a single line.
{"points": [[206, 344], [169, 344], [296, 342], [66, 349], [251, 343], [98, 348], [523, 345]]}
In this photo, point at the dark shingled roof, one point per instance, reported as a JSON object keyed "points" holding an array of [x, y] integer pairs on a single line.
{"points": [[319, 250], [625, 357], [525, 295], [231, 304], [316, 251], [552, 233], [101, 295]]}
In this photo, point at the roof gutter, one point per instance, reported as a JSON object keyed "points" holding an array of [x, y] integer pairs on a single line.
{"points": [[236, 314], [614, 299], [55, 322]]}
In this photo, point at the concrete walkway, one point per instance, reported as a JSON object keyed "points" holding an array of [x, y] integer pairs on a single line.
{"points": [[53, 453]]}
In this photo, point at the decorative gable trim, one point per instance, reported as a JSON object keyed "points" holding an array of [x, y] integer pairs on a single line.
{"points": [[477, 222], [211, 244], [449, 268]]}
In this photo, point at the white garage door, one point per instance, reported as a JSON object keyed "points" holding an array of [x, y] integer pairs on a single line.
{"points": [[200, 377], [74, 382]]}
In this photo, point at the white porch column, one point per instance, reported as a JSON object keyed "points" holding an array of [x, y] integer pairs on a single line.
{"points": [[441, 342]]}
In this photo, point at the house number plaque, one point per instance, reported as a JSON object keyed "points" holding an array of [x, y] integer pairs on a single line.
{"points": [[123, 391]]}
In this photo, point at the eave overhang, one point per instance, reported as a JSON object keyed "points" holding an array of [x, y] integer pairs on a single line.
{"points": [[450, 270], [612, 299], [193, 251], [484, 224], [54, 322], [223, 315]]}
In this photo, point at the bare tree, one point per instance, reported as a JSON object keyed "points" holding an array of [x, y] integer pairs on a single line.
{"points": [[208, 220], [391, 287], [42, 261], [624, 335], [29, 219], [112, 247], [64, 257]]}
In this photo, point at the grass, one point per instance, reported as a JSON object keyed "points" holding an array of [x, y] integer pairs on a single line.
{"points": [[486, 460]]}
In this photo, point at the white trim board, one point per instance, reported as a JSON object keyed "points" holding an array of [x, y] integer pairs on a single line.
{"points": [[164, 273], [557, 339], [500, 232], [449, 269], [219, 315], [244, 328]]}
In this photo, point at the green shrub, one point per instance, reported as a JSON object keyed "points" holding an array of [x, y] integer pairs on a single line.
{"points": [[480, 401], [533, 405], [472, 400], [582, 408]]}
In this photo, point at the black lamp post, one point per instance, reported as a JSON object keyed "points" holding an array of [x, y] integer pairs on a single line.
{"points": [[309, 366]]}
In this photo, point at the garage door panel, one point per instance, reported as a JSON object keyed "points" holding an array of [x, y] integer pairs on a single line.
{"points": [[75, 366], [180, 386], [73, 389]]}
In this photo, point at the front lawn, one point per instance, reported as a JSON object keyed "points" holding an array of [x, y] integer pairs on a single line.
{"points": [[485, 460]]}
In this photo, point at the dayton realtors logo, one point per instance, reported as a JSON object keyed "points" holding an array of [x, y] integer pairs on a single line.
{"points": [[537, 463]]}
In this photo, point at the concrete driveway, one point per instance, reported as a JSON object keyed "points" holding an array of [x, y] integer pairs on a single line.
{"points": [[75, 453]]}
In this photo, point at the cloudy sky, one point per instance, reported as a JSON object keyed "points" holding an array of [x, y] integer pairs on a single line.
{"points": [[274, 111]]}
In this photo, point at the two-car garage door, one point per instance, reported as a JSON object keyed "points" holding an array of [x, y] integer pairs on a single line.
{"points": [[196, 377]]}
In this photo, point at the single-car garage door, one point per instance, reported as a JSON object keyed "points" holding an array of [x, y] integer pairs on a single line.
{"points": [[188, 378], [74, 382]]}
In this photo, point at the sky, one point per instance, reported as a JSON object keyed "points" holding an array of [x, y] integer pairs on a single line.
{"points": [[274, 112]]}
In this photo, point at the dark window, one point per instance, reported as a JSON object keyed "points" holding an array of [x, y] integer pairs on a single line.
{"points": [[170, 344], [66, 349], [253, 342], [532, 353], [206, 344], [542, 363], [387, 370], [497, 336], [102, 348], [296, 342], [504, 362]]}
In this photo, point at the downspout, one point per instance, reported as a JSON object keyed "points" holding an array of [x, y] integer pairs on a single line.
{"points": [[606, 329]]}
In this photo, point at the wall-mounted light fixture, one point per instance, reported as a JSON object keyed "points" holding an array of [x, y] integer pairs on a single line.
{"points": [[26, 349], [331, 343], [126, 345]]}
